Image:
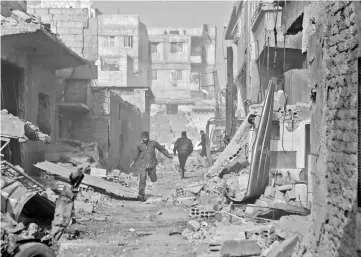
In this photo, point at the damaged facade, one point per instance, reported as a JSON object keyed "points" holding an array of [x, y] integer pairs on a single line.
{"points": [[30, 57], [311, 50], [89, 110]]}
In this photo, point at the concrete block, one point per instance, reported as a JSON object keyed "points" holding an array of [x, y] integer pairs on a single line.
{"points": [[80, 206], [55, 11], [41, 11], [289, 196], [79, 24], [47, 18], [279, 195], [78, 37], [76, 31], [67, 37], [270, 191], [240, 248], [61, 17], [284, 188], [285, 249], [64, 31], [193, 225]]}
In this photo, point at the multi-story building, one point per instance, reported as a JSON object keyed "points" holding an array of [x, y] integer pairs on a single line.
{"points": [[183, 61], [123, 51]]}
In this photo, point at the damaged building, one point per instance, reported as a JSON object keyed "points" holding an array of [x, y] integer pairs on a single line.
{"points": [[89, 109], [311, 50], [30, 56]]}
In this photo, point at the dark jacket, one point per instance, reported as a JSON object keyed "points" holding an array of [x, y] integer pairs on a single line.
{"points": [[183, 145], [145, 155]]}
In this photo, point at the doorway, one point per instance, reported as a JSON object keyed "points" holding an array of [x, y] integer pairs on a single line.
{"points": [[11, 81]]}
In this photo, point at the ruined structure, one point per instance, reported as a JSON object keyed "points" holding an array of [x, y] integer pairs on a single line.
{"points": [[29, 86], [312, 49], [88, 109]]}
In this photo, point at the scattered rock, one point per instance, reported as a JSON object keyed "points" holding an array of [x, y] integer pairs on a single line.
{"points": [[80, 206], [193, 225], [132, 230], [240, 248]]}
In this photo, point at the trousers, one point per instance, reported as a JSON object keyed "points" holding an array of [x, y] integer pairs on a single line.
{"points": [[151, 172], [182, 157]]}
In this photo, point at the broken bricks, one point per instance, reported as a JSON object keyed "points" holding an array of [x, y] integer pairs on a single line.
{"points": [[193, 225]]}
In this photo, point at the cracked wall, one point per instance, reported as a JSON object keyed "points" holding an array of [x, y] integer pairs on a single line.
{"points": [[332, 58]]}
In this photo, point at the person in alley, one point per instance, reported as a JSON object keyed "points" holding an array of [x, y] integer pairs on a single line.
{"points": [[145, 158], [203, 144], [184, 147]]}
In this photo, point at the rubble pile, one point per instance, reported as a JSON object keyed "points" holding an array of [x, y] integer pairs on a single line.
{"points": [[75, 152], [13, 232], [19, 17], [14, 127]]}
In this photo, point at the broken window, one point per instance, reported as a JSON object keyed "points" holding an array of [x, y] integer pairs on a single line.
{"points": [[128, 41], [43, 118], [154, 48], [110, 64], [154, 75], [176, 47], [108, 42]]}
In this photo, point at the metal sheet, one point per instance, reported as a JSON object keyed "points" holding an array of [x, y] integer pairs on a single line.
{"points": [[95, 182], [259, 172]]}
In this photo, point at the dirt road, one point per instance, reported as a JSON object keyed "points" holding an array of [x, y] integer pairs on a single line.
{"points": [[132, 228]]}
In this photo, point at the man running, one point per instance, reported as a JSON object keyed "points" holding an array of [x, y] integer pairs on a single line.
{"points": [[145, 153], [184, 147]]}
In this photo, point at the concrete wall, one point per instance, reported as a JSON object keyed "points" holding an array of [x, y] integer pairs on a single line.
{"points": [[37, 79], [69, 23], [332, 57], [59, 4], [119, 27], [125, 131]]}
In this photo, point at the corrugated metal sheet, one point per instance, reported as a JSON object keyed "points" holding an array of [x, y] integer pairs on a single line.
{"points": [[260, 163], [95, 182], [20, 194]]}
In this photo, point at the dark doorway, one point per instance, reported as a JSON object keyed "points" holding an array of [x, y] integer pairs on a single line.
{"points": [[11, 80]]}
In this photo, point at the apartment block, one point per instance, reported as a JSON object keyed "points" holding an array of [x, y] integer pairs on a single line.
{"points": [[123, 51], [183, 61]]}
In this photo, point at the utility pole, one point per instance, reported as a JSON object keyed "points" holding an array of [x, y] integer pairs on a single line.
{"points": [[229, 93]]}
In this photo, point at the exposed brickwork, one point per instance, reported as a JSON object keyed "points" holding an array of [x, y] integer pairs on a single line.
{"points": [[333, 56], [70, 24]]}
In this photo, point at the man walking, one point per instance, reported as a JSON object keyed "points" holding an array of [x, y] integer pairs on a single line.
{"points": [[145, 153], [184, 147], [203, 144]]}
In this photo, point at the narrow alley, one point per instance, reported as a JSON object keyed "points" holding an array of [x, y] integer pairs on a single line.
{"points": [[130, 130]]}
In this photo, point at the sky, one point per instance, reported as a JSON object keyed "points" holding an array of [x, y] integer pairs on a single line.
{"points": [[177, 14]]}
